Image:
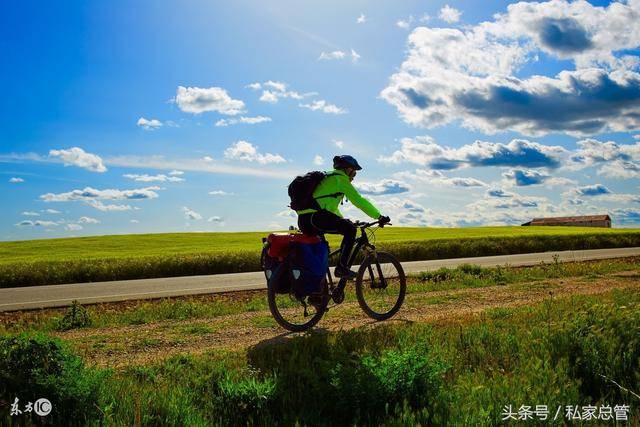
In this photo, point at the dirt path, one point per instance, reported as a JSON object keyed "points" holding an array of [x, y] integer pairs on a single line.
{"points": [[140, 344]]}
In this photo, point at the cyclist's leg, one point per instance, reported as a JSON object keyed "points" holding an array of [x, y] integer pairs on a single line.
{"points": [[305, 225], [331, 223]]}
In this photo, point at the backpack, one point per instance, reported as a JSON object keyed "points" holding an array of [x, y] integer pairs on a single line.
{"points": [[302, 187]]}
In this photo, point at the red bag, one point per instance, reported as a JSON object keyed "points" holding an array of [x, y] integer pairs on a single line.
{"points": [[279, 243]]}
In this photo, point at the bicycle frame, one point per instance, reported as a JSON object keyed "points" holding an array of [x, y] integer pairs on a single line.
{"points": [[361, 243]]}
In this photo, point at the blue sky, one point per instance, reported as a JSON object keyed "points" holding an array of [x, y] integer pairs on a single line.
{"points": [[121, 117]]}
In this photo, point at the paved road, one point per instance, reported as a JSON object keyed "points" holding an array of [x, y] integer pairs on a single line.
{"points": [[12, 299]]}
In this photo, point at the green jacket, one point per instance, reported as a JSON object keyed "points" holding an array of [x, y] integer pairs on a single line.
{"points": [[337, 185]]}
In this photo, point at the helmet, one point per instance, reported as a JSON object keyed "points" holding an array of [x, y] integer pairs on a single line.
{"points": [[346, 161]]}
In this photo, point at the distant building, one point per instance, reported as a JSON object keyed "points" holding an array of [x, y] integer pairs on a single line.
{"points": [[575, 221]]}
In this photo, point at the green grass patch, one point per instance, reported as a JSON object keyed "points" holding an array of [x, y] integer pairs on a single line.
{"points": [[191, 308], [561, 352], [103, 258]]}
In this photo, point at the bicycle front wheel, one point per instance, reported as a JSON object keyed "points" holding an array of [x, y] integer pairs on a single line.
{"points": [[381, 285]]}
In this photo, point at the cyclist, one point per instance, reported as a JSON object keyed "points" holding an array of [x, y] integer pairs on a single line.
{"points": [[329, 194]]}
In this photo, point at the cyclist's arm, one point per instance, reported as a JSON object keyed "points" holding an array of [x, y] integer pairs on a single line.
{"points": [[358, 201]]}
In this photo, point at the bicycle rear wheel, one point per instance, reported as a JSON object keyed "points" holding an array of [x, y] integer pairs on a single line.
{"points": [[293, 312], [381, 285]]}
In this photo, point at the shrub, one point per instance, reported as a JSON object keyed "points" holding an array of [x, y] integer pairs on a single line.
{"points": [[36, 366], [76, 317]]}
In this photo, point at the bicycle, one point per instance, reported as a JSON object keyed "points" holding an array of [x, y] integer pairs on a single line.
{"points": [[380, 287]]}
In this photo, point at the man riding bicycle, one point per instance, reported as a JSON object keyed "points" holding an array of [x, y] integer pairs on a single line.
{"points": [[328, 219]]}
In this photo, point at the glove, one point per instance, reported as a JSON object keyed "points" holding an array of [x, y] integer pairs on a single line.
{"points": [[384, 219]]}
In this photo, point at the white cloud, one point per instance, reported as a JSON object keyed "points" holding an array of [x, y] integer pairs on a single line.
{"points": [[325, 107], [51, 211], [89, 193], [207, 159], [404, 23], [76, 156], [146, 124], [30, 213], [243, 120], [336, 54], [88, 220], [361, 19], [38, 223], [318, 160], [355, 57], [153, 178], [134, 221], [338, 143], [470, 74], [272, 91], [97, 204], [191, 214], [528, 177], [16, 180], [424, 151], [220, 193], [73, 227], [383, 187], [176, 173], [434, 177], [449, 14], [216, 219], [615, 160], [198, 100], [245, 151]]}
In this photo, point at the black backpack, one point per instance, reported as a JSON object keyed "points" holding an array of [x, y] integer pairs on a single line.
{"points": [[301, 190]]}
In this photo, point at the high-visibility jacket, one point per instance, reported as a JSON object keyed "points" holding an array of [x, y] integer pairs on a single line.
{"points": [[333, 188]]}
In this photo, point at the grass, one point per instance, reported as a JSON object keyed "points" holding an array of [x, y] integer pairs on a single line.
{"points": [[91, 259], [212, 306], [463, 372]]}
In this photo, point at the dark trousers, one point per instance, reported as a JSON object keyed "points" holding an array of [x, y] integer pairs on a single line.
{"points": [[322, 221]]}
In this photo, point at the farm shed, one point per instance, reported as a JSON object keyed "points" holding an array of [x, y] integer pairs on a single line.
{"points": [[575, 221]]}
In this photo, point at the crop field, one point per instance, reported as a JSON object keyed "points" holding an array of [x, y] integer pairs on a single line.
{"points": [[90, 259], [467, 343]]}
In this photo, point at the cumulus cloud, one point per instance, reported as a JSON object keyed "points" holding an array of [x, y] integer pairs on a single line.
{"points": [[318, 160], [89, 193], [435, 177], [76, 156], [592, 190], [30, 213], [176, 173], [216, 219], [154, 178], [449, 14], [272, 91], [198, 100], [383, 187], [16, 180], [470, 74], [625, 216], [37, 223], [146, 124], [51, 211], [423, 150], [88, 220], [97, 204], [338, 143], [407, 212], [528, 177], [242, 120], [220, 193], [361, 19], [336, 54], [615, 160], [497, 192], [73, 227], [245, 151], [191, 214], [325, 107]]}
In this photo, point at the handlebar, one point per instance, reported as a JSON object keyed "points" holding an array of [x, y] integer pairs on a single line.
{"points": [[362, 224]]}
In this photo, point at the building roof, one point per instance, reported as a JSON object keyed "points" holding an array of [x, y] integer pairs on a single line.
{"points": [[573, 218]]}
